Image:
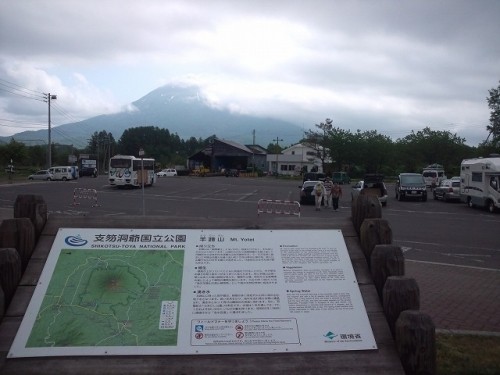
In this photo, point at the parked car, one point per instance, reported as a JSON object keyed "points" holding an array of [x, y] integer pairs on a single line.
{"points": [[341, 178], [306, 193], [314, 176], [232, 173], [411, 186], [43, 174], [448, 190], [169, 172], [372, 184]]}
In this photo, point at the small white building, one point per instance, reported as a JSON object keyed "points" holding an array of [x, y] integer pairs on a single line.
{"points": [[294, 159]]}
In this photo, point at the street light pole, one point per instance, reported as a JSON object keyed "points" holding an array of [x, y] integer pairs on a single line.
{"points": [[277, 145], [49, 150]]}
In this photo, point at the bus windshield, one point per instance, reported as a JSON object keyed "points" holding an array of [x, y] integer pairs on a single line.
{"points": [[120, 163], [149, 164]]}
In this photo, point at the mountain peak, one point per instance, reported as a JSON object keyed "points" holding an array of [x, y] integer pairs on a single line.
{"points": [[181, 109]]}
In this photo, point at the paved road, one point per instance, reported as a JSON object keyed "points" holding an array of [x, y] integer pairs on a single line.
{"points": [[451, 250]]}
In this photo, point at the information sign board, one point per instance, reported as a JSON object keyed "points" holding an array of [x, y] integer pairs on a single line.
{"points": [[186, 291]]}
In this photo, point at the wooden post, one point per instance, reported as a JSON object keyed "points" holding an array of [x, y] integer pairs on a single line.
{"points": [[366, 207], [20, 235], [385, 261], [10, 273], [400, 293], [374, 232], [34, 208], [416, 342]]}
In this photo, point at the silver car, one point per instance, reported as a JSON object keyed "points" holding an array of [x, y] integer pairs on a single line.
{"points": [[169, 172], [373, 185], [41, 175], [448, 190]]}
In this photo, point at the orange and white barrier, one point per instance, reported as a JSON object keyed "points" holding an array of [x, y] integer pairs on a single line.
{"points": [[268, 206], [81, 193]]}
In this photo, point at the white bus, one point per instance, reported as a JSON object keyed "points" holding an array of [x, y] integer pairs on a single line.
{"points": [[125, 170], [480, 182]]}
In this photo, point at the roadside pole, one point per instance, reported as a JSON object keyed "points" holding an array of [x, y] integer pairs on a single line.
{"points": [[141, 154]]}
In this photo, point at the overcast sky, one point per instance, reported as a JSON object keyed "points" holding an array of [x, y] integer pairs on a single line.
{"points": [[391, 66]]}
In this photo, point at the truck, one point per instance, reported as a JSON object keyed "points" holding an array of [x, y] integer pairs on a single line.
{"points": [[480, 182], [87, 165], [182, 170]]}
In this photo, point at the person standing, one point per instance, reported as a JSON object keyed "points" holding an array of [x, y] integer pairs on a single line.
{"points": [[318, 192], [328, 193], [336, 194]]}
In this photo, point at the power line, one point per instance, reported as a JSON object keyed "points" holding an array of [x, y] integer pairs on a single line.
{"points": [[73, 141], [21, 91]]}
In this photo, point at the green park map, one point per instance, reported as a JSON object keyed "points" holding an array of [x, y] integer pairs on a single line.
{"points": [[111, 298]]}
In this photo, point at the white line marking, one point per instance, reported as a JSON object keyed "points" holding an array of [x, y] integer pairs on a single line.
{"points": [[452, 265], [441, 245]]}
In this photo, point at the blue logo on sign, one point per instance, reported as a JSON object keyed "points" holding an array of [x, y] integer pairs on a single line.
{"points": [[198, 328], [330, 335], [75, 241]]}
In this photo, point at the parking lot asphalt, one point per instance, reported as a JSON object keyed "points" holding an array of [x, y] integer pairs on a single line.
{"points": [[458, 298]]}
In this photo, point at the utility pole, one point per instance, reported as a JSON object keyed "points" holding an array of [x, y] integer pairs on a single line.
{"points": [[49, 150], [277, 140]]}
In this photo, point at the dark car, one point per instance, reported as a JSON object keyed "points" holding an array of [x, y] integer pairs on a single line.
{"points": [[448, 190], [314, 176], [232, 173], [411, 186], [341, 178], [306, 195]]}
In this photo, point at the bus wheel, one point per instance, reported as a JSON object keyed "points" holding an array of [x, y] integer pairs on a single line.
{"points": [[491, 206]]}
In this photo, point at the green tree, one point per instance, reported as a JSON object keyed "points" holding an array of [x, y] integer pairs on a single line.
{"points": [[274, 148], [494, 126], [166, 148], [374, 151], [427, 146], [103, 146], [15, 151], [37, 156], [340, 145], [319, 139]]}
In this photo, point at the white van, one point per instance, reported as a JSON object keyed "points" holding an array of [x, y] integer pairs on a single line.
{"points": [[64, 173], [433, 175]]}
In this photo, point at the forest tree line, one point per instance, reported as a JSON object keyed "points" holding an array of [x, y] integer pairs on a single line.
{"points": [[355, 152]]}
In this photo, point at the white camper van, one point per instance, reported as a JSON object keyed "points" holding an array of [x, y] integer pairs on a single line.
{"points": [[433, 175], [480, 182], [64, 173]]}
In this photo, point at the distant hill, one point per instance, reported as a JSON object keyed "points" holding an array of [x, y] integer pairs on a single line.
{"points": [[181, 110]]}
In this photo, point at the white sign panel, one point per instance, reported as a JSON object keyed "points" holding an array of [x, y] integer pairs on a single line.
{"points": [[160, 292]]}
